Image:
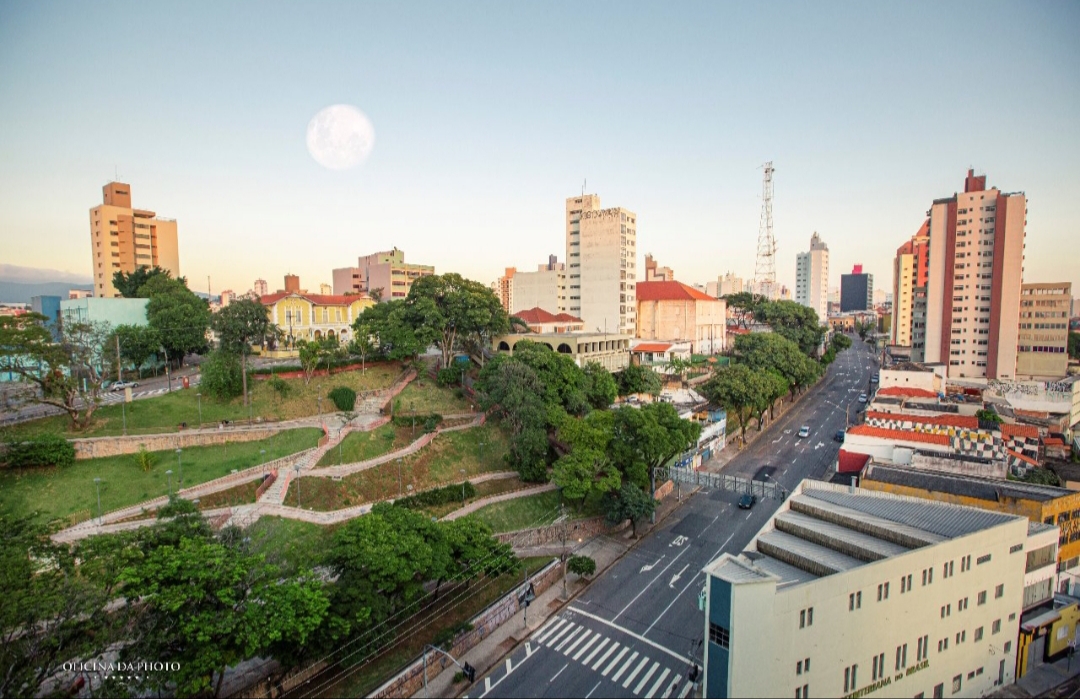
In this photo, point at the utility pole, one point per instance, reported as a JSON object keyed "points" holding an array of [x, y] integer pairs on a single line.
{"points": [[765, 267], [119, 372]]}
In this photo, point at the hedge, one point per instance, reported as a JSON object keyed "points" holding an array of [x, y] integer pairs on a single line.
{"points": [[429, 422], [41, 450], [438, 496]]}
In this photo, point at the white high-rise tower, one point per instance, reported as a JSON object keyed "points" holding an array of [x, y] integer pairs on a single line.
{"points": [[812, 278]]}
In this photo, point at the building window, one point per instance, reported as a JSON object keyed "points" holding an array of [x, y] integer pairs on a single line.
{"points": [[947, 569], [961, 637], [982, 559], [922, 649], [806, 617], [850, 681], [878, 667], [882, 592], [855, 601], [999, 591], [939, 691], [962, 605], [978, 634], [1008, 646], [996, 626], [982, 598], [718, 635], [905, 583]]}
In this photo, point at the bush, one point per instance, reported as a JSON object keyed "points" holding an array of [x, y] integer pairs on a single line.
{"points": [[581, 565], [429, 422], [42, 450], [221, 376], [344, 397], [438, 496], [448, 377], [145, 460], [281, 386], [445, 638]]}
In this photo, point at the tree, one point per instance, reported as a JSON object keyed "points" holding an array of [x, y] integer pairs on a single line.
{"points": [[129, 284], [796, 322], [583, 472], [211, 606], [444, 309], [581, 565], [601, 389], [239, 325], [1074, 345], [311, 353], [362, 344], [394, 337], [740, 390], [680, 367], [764, 351], [138, 343], [775, 386], [629, 503], [646, 438], [988, 415], [222, 376], [180, 318], [512, 393], [39, 450], [564, 383], [840, 342], [475, 551], [68, 374], [638, 379], [744, 307]]}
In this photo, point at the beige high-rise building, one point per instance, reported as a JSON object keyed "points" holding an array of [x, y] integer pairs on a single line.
{"points": [[260, 287], [655, 273], [910, 269], [601, 265], [973, 289], [1043, 338], [812, 278], [545, 288], [730, 284], [504, 289], [386, 271], [122, 239]]}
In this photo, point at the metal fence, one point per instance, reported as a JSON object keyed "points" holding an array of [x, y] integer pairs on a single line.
{"points": [[735, 484]]}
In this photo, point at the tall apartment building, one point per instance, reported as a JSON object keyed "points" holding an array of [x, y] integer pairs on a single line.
{"points": [[812, 278], [973, 287], [730, 284], [653, 273], [1043, 338], [122, 239], [601, 265], [910, 269], [504, 289], [260, 287], [847, 593], [856, 291], [386, 271], [545, 288]]}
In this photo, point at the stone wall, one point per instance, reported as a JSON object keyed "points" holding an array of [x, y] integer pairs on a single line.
{"points": [[552, 534], [664, 490], [96, 447], [411, 680]]}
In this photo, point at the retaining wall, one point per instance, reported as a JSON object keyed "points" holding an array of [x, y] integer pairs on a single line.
{"points": [[552, 534], [96, 447]]}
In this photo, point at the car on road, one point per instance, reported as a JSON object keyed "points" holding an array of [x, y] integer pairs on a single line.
{"points": [[121, 385], [839, 436], [874, 378], [862, 397], [804, 431], [747, 501]]}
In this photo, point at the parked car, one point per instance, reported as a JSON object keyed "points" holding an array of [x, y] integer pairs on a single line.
{"points": [[804, 431], [121, 385], [862, 397], [874, 378], [747, 501], [839, 436]]}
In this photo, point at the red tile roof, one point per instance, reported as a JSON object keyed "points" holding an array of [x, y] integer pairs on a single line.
{"points": [[669, 291], [317, 299], [967, 422], [1054, 442], [899, 435], [1025, 459], [539, 315], [850, 462], [1010, 430], [652, 347], [909, 391]]}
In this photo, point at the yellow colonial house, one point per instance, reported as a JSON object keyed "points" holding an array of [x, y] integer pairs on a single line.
{"points": [[315, 316]]}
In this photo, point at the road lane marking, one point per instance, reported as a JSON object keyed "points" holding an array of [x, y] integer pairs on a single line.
{"points": [[487, 685], [631, 602], [584, 648], [542, 634], [632, 675], [570, 648], [621, 670], [639, 637], [645, 679], [655, 687], [509, 667], [649, 566], [554, 638], [558, 673], [618, 657], [566, 640], [677, 576], [593, 689]]}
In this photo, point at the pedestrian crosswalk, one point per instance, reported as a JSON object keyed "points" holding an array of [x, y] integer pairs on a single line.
{"points": [[118, 396], [632, 670]]}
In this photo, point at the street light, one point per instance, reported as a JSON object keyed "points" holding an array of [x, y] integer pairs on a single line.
{"points": [[481, 455], [462, 487], [262, 456], [399, 478], [297, 469], [180, 465], [97, 486], [319, 398], [169, 474], [199, 397]]}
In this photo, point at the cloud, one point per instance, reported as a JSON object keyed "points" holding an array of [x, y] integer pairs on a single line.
{"points": [[31, 275]]}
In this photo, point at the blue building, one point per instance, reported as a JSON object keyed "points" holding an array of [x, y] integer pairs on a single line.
{"points": [[48, 306]]}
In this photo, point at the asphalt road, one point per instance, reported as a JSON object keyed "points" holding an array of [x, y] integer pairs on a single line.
{"points": [[636, 630]]}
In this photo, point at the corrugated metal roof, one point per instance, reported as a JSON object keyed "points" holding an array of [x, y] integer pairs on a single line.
{"points": [[789, 575], [862, 546], [733, 570], [989, 489], [811, 557]]}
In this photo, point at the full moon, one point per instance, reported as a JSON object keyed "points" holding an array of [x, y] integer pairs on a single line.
{"points": [[340, 137]]}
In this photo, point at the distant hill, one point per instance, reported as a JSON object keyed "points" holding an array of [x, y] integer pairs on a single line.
{"points": [[18, 292]]}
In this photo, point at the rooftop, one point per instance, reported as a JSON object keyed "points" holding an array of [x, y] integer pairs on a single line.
{"points": [[909, 391], [317, 299], [539, 315], [669, 291], [980, 488], [652, 347], [909, 366], [903, 435], [826, 529]]}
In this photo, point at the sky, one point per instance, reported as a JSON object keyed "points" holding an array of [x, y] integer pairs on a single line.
{"points": [[487, 115]]}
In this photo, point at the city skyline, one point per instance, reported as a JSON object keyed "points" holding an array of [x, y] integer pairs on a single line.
{"points": [[482, 134]]}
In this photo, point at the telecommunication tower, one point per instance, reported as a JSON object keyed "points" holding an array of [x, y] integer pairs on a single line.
{"points": [[765, 269]]}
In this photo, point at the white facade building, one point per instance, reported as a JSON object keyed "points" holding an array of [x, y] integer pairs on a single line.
{"points": [[545, 288], [848, 593], [812, 278], [601, 265]]}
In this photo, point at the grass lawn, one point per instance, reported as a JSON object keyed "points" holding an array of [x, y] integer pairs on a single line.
{"points": [[361, 446], [164, 413], [54, 493], [296, 544], [483, 490], [530, 511], [243, 494], [439, 463], [385, 666], [423, 396]]}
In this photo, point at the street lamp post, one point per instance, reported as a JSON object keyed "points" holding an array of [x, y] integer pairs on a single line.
{"points": [[199, 397], [123, 412], [169, 474], [297, 469], [399, 478], [262, 456], [462, 487], [320, 405], [481, 455], [180, 466], [97, 486]]}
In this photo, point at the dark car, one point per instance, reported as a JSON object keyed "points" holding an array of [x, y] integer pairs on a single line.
{"points": [[839, 436], [747, 501]]}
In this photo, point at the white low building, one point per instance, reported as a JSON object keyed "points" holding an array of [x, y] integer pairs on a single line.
{"points": [[850, 593]]}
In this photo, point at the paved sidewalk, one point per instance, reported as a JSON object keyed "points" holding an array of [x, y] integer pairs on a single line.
{"points": [[1056, 679], [604, 549]]}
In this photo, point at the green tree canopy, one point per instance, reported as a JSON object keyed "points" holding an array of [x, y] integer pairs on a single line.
{"points": [[512, 392], [564, 383], [129, 283], [744, 307], [581, 565], [180, 318], [239, 325], [629, 503], [446, 309], [138, 343], [764, 351], [392, 335], [646, 438], [600, 389], [638, 379], [840, 342], [796, 322], [740, 389]]}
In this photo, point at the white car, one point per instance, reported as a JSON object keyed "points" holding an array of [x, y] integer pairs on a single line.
{"points": [[121, 385], [804, 431], [862, 397]]}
